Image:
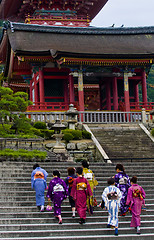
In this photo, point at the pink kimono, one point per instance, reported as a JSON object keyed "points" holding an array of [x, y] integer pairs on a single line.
{"points": [[135, 199], [80, 194]]}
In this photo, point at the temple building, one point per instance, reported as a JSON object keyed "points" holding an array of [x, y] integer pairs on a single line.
{"points": [[50, 50]]}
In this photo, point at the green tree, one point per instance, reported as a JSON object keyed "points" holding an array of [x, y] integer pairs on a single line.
{"points": [[14, 102]]}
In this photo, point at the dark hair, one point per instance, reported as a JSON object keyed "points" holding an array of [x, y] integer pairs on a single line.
{"points": [[79, 170], [70, 170], [35, 166], [85, 164], [120, 167], [56, 173], [133, 179], [110, 181]]}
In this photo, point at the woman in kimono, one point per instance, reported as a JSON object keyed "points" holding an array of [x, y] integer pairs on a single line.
{"points": [[57, 192], [122, 181], [111, 197], [38, 183], [89, 175], [69, 182], [80, 190], [135, 199]]}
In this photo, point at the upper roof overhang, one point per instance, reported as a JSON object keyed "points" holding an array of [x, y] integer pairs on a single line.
{"points": [[10, 8], [37, 40]]}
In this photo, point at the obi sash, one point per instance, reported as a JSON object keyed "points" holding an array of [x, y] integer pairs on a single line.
{"points": [[58, 188], [81, 186], [38, 174], [137, 193], [112, 196]]}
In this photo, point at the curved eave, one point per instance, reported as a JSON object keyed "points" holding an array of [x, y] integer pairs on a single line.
{"points": [[3, 48], [86, 41]]}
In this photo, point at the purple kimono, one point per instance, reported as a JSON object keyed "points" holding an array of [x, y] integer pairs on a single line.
{"points": [[57, 192], [122, 181], [80, 190], [135, 199]]}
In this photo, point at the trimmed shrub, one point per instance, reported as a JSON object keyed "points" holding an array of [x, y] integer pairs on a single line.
{"points": [[40, 125], [68, 137], [37, 132], [152, 132], [24, 154], [47, 133], [86, 134], [77, 134]]}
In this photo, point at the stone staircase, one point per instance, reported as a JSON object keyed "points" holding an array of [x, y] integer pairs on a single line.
{"points": [[20, 219], [124, 141]]}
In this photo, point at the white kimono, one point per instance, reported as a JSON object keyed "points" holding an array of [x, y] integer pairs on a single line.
{"points": [[111, 196]]}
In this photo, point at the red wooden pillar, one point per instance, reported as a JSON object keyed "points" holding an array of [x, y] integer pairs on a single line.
{"points": [[71, 88], [126, 92], [136, 92], [115, 93], [41, 85], [65, 91], [108, 95], [31, 98], [144, 87], [80, 91]]}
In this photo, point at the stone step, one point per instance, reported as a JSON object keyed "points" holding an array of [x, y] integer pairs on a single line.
{"points": [[37, 214], [66, 226], [72, 232], [90, 219]]}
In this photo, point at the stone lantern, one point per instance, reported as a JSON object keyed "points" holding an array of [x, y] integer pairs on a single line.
{"points": [[72, 116], [57, 127]]}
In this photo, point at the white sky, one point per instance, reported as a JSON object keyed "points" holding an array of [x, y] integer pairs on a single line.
{"points": [[131, 13]]}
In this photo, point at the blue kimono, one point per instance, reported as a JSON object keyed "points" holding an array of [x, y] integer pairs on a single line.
{"points": [[111, 197], [38, 183]]}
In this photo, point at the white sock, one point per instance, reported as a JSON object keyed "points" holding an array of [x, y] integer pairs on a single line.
{"points": [[42, 207], [138, 228], [73, 212]]}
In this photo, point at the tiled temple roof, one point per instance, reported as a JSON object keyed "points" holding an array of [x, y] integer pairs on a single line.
{"points": [[81, 30]]}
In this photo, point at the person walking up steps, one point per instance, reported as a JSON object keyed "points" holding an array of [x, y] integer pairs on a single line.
{"points": [[135, 199], [80, 190], [57, 192], [38, 183], [111, 197], [122, 182], [89, 175], [69, 182]]}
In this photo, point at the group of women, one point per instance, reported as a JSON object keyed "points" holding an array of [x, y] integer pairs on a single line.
{"points": [[132, 195]]}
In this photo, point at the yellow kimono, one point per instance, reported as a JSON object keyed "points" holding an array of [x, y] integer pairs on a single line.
{"points": [[89, 175]]}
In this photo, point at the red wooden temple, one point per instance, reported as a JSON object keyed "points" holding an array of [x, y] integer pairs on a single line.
{"points": [[50, 51]]}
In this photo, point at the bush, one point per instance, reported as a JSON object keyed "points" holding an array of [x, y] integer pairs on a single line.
{"points": [[77, 134], [152, 132], [22, 153], [40, 125], [47, 133], [68, 137], [86, 134], [37, 132]]}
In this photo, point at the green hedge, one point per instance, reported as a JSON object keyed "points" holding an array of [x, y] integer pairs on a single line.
{"points": [[152, 132], [23, 154], [86, 134], [40, 125]]}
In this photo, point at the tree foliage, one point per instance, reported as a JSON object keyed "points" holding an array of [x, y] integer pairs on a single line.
{"points": [[14, 102]]}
